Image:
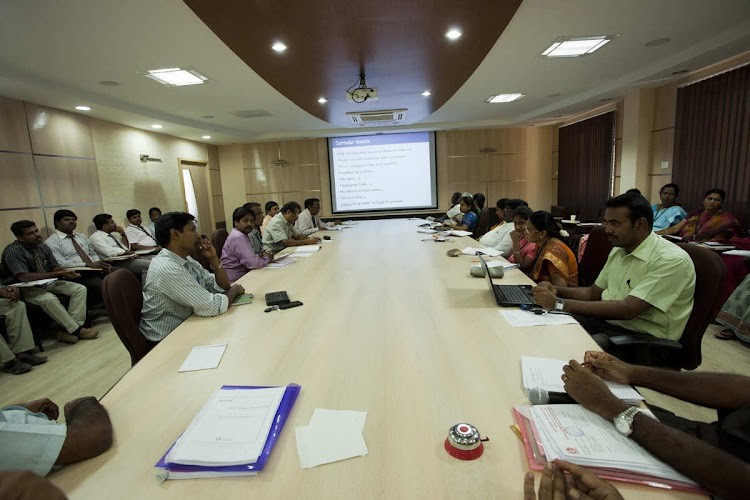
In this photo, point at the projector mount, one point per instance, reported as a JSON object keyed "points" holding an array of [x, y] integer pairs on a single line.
{"points": [[362, 92]]}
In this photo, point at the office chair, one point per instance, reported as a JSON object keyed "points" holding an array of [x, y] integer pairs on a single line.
{"points": [[594, 257], [487, 219], [648, 350], [218, 239], [123, 299]]}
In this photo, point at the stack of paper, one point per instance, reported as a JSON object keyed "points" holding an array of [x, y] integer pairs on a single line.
{"points": [[232, 435], [306, 250], [281, 261], [458, 232], [504, 264], [26, 284], [547, 374], [492, 252], [573, 433], [521, 318], [426, 231], [331, 436]]}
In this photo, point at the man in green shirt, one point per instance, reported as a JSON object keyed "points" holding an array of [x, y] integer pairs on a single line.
{"points": [[281, 233], [646, 286]]}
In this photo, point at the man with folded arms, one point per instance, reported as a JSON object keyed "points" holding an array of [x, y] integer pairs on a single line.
{"points": [[38, 442], [646, 286], [74, 250], [107, 242], [238, 256], [29, 259], [176, 285], [308, 221], [714, 455], [281, 233], [16, 355], [140, 238]]}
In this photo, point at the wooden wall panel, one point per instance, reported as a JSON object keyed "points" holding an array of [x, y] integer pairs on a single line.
{"points": [[18, 188], [618, 157], [505, 167], [263, 180], [467, 169], [299, 152], [8, 217], [662, 146], [263, 198], [84, 213], [466, 187], [215, 178], [218, 207], [656, 182], [505, 140], [14, 135], [617, 185], [59, 133], [555, 162], [465, 142], [67, 180], [665, 107], [301, 196], [508, 189], [306, 178], [259, 155]]}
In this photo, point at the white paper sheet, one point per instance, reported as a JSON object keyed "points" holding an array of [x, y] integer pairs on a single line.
{"points": [[498, 263], [519, 317], [306, 249], [27, 284], [741, 253], [485, 251], [281, 263], [331, 436], [203, 357], [458, 232]]}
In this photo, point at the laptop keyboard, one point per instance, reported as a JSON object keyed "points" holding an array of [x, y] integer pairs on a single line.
{"points": [[513, 293]]}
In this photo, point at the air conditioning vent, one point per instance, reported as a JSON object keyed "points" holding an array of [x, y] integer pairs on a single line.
{"points": [[382, 117]]}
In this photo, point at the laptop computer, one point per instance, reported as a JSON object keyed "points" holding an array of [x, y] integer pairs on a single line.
{"points": [[507, 295]]}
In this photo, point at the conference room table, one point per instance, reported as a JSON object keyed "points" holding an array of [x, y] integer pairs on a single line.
{"points": [[390, 325]]}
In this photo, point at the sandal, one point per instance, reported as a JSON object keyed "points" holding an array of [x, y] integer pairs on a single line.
{"points": [[725, 334], [16, 367]]}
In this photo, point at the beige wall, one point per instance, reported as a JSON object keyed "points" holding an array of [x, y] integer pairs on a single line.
{"points": [[52, 159]]}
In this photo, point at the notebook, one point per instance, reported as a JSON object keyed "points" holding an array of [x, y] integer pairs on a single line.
{"points": [[507, 295]]}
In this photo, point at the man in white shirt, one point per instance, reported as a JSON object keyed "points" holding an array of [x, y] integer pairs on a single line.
{"points": [[139, 237], [153, 214], [281, 233], [73, 250], [499, 236], [308, 221], [107, 242]]}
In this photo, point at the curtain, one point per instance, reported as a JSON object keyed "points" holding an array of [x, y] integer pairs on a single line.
{"points": [[585, 162], [712, 137]]}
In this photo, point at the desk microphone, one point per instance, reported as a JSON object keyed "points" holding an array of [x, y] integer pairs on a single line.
{"points": [[538, 396]]}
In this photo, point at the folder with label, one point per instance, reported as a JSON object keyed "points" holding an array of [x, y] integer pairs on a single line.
{"points": [[211, 447]]}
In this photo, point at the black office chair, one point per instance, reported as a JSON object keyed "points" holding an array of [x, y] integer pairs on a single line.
{"points": [[648, 350]]}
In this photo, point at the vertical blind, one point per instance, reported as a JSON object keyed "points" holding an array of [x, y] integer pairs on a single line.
{"points": [[585, 162], [712, 137]]}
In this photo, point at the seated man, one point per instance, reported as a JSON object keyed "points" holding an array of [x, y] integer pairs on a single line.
{"points": [[39, 443], [28, 259], [499, 236], [16, 355], [238, 256], [73, 250], [308, 221], [646, 286], [272, 208], [255, 237], [153, 214], [685, 445], [176, 285], [107, 242], [281, 233], [138, 236]]}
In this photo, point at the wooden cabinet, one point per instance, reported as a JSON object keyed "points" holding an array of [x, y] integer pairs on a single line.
{"points": [[282, 171]]}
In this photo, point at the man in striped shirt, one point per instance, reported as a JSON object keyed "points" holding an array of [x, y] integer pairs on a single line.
{"points": [[176, 285]]}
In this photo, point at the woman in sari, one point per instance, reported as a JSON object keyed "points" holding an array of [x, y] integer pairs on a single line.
{"points": [[735, 314], [554, 261], [668, 212], [523, 251], [710, 224]]}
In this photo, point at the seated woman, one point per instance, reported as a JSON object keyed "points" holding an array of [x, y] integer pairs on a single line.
{"points": [[523, 251], [668, 212], [553, 260], [710, 224], [468, 210], [735, 314], [272, 208]]}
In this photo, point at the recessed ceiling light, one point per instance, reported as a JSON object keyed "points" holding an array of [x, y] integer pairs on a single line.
{"points": [[156, 125], [680, 71], [566, 46], [426, 93], [279, 47], [453, 34], [657, 42], [205, 137], [109, 83], [83, 108], [176, 77], [494, 99], [322, 100]]}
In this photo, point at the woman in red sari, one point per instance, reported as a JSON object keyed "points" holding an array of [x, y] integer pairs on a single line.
{"points": [[554, 261], [523, 252], [710, 224]]}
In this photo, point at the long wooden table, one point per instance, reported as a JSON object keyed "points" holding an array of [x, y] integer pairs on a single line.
{"points": [[390, 325]]}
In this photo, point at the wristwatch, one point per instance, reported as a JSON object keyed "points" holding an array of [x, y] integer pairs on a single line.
{"points": [[624, 421], [559, 304]]}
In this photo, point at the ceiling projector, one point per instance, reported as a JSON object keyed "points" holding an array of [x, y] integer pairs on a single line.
{"points": [[362, 94]]}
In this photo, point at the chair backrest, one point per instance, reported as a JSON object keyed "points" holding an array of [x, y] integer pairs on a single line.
{"points": [[218, 239], [557, 211], [487, 219], [709, 280], [594, 256], [123, 299], [590, 214]]}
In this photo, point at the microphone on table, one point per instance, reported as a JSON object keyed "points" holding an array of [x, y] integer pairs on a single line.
{"points": [[539, 396]]}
